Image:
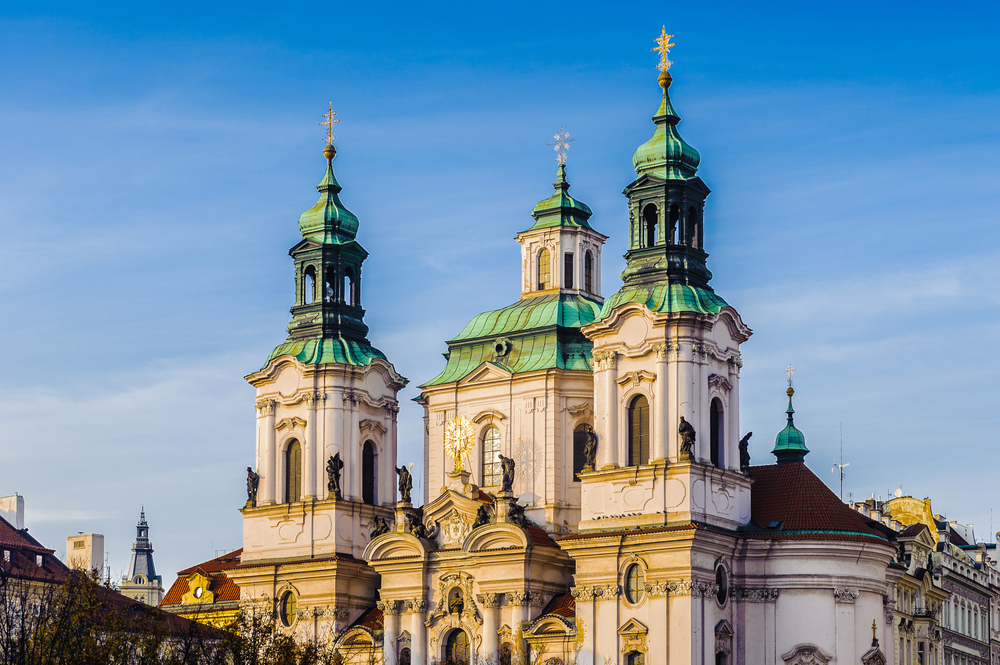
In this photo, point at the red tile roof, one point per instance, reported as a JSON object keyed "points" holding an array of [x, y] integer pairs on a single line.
{"points": [[22, 562], [801, 507], [220, 584], [912, 530], [564, 606], [956, 539], [372, 619]]}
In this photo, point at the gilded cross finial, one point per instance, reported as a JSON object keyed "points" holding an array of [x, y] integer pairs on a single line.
{"points": [[874, 631], [561, 143], [663, 45], [790, 371], [330, 122]]}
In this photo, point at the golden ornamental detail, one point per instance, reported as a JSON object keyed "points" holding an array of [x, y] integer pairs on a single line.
{"points": [[459, 439], [331, 120], [663, 45]]}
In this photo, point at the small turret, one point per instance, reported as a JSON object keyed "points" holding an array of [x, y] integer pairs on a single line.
{"points": [[790, 444]]}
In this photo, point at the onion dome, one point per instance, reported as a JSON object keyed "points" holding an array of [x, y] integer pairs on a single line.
{"points": [[561, 209], [328, 221], [666, 155], [790, 444]]}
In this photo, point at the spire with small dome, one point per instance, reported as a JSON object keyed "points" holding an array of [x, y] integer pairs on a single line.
{"points": [[790, 444]]}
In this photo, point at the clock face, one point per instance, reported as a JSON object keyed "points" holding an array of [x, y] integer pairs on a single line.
{"points": [[198, 592]]}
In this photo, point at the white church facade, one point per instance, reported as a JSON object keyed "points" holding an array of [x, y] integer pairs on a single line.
{"points": [[588, 496]]}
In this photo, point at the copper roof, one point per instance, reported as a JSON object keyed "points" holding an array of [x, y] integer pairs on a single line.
{"points": [[220, 585]]}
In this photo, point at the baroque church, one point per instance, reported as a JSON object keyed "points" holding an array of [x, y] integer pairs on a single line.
{"points": [[588, 496]]}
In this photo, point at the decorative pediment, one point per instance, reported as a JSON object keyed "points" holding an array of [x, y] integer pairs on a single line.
{"points": [[395, 545], [635, 378], [806, 654], [495, 536], [372, 425], [585, 409], [488, 415], [633, 634], [719, 382], [723, 637], [198, 584], [290, 423], [488, 371]]}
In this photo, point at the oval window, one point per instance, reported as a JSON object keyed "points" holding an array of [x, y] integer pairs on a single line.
{"points": [[723, 583], [635, 583], [286, 609], [198, 592]]}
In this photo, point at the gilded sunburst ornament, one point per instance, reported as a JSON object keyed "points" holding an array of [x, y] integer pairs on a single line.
{"points": [[459, 439]]}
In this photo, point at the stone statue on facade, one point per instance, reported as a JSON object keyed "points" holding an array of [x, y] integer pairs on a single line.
{"points": [[507, 473], [686, 430], [253, 481], [379, 527], [417, 527], [333, 468], [745, 453], [482, 517], [590, 450], [516, 515], [405, 483]]}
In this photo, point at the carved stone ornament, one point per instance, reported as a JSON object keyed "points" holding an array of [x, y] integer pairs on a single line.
{"points": [[518, 598], [723, 637], [489, 600], [266, 407], [633, 634], [372, 425], [609, 592], [693, 588], [454, 529], [751, 595], [846, 595], [583, 592], [290, 423], [635, 378], [312, 399], [658, 589], [418, 605], [806, 654], [720, 383], [389, 606]]}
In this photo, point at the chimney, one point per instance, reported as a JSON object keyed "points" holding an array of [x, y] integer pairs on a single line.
{"points": [[12, 510]]}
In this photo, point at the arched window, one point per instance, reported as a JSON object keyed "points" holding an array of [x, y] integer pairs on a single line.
{"points": [[404, 656], [722, 582], [293, 472], [649, 222], [568, 270], [456, 650], [580, 438], [675, 216], [588, 273], [350, 287], [638, 432], [368, 473], [330, 285], [544, 269], [635, 583], [716, 419], [693, 228], [492, 473], [309, 288], [286, 609], [506, 654]]}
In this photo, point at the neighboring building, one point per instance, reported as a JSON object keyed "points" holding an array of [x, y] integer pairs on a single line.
{"points": [[141, 582], [24, 558], [85, 551], [530, 546], [205, 593]]}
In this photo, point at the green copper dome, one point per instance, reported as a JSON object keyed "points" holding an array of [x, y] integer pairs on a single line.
{"points": [[561, 209], [790, 444], [328, 221], [666, 155]]}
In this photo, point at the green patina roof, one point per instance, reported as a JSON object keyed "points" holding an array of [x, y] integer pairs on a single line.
{"points": [[790, 444], [319, 351], [561, 209], [328, 221], [666, 155], [537, 328], [665, 297]]}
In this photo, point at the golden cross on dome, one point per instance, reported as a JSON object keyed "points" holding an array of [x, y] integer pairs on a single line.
{"points": [[561, 143], [790, 371], [663, 46], [330, 122]]}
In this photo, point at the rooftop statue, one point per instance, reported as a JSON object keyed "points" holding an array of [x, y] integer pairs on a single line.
{"points": [[253, 482], [333, 467], [405, 483], [507, 473], [686, 430]]}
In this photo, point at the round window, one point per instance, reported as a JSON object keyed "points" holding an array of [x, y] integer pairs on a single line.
{"points": [[286, 609], [723, 583], [198, 592], [635, 583]]}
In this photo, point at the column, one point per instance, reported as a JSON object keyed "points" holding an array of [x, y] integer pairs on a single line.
{"points": [[309, 450], [611, 443], [352, 463], [673, 402], [267, 465], [703, 426], [390, 635], [733, 417], [489, 602], [659, 448], [418, 636]]}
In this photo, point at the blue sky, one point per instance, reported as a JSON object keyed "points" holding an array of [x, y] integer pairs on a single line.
{"points": [[154, 159]]}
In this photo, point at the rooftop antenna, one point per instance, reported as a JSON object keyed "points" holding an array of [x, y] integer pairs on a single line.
{"points": [[840, 467]]}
